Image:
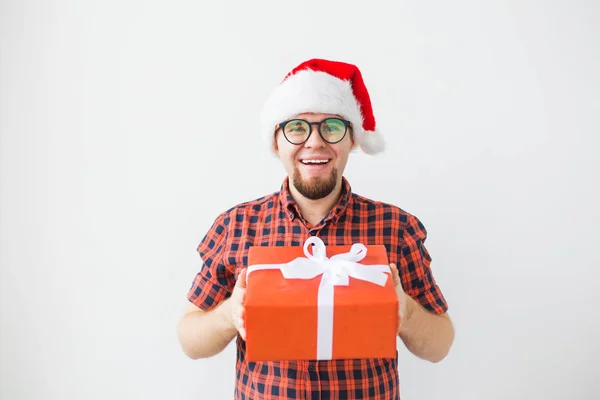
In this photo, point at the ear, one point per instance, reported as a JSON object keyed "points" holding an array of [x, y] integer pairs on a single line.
{"points": [[275, 145], [353, 144]]}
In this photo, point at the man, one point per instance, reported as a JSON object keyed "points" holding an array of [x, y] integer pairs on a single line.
{"points": [[312, 121]]}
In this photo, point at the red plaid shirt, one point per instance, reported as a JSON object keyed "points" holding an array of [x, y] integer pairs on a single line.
{"points": [[275, 220]]}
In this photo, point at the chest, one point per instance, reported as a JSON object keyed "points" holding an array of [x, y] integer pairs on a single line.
{"points": [[285, 231]]}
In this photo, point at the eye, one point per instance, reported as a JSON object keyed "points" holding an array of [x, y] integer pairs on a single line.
{"points": [[298, 128], [332, 125]]}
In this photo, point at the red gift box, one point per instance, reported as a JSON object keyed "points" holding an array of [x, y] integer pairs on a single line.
{"points": [[303, 306]]}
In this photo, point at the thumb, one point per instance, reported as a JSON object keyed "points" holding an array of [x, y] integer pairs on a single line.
{"points": [[241, 281], [395, 275]]}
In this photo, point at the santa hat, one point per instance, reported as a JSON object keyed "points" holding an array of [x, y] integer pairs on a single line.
{"points": [[327, 87]]}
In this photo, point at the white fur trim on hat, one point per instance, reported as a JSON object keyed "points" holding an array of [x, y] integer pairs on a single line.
{"points": [[317, 92]]}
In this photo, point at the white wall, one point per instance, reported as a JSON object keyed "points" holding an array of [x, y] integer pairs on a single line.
{"points": [[127, 126]]}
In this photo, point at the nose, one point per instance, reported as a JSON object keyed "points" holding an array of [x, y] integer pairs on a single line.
{"points": [[315, 139]]}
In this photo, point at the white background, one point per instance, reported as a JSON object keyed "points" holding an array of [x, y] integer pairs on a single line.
{"points": [[127, 126]]}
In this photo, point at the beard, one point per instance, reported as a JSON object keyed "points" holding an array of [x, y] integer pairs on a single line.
{"points": [[315, 188]]}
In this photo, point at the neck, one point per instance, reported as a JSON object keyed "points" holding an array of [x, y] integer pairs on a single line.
{"points": [[315, 210]]}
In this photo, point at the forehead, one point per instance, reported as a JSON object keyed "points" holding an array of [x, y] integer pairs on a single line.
{"points": [[315, 116]]}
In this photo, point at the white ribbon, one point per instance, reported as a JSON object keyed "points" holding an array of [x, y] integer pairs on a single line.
{"points": [[335, 271]]}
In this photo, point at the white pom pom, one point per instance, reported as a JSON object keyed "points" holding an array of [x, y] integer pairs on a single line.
{"points": [[372, 142]]}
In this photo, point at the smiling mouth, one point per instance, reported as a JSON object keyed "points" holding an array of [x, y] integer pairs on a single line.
{"points": [[323, 161]]}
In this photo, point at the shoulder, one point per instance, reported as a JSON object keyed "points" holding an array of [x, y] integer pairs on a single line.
{"points": [[403, 223], [388, 211], [228, 223], [253, 209]]}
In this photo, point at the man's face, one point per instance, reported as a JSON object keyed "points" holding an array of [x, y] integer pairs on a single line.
{"points": [[314, 181]]}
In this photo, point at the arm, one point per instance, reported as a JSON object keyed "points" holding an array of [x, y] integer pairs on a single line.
{"points": [[424, 327], [427, 335], [207, 325], [204, 334]]}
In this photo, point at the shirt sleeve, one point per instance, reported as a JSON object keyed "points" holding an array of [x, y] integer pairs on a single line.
{"points": [[215, 281], [415, 268]]}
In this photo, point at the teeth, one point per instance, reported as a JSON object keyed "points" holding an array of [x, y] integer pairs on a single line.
{"points": [[315, 161]]}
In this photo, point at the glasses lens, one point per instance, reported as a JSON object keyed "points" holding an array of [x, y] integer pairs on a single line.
{"points": [[296, 131], [333, 129]]}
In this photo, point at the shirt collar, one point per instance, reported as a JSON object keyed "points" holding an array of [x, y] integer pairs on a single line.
{"points": [[291, 207]]}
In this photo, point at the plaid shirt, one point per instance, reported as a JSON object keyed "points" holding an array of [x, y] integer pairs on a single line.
{"points": [[275, 220]]}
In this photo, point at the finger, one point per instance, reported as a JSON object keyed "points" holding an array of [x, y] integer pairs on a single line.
{"points": [[241, 281], [239, 315], [237, 322], [241, 327], [239, 310], [395, 274]]}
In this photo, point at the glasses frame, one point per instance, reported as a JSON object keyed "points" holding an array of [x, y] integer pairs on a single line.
{"points": [[310, 125]]}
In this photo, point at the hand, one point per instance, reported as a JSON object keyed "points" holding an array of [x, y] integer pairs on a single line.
{"points": [[403, 298], [238, 296]]}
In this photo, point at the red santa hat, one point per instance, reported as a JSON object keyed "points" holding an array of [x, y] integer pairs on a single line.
{"points": [[327, 87]]}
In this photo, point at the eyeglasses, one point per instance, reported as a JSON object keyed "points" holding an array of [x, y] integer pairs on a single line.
{"points": [[332, 130]]}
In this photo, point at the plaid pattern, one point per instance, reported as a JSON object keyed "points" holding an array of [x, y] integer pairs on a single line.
{"points": [[275, 220]]}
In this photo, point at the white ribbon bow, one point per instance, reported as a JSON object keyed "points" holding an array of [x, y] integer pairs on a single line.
{"points": [[335, 271]]}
